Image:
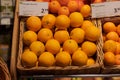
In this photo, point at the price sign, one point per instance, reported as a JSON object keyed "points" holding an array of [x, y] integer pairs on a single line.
{"points": [[106, 9], [32, 8], [5, 21]]}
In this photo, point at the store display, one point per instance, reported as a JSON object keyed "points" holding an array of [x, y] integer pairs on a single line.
{"points": [[68, 54]]}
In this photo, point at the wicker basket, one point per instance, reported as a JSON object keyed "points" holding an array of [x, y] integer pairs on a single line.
{"points": [[115, 69], [55, 70], [4, 72]]}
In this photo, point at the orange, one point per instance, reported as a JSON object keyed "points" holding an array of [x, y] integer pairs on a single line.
{"points": [[117, 59], [54, 6], [92, 33], [72, 6], [76, 19], [109, 26], [90, 61], [29, 37], [61, 36], [45, 34], [46, 59], [63, 59], [39, 0], [118, 29], [89, 48], [112, 36], [64, 11], [28, 59], [98, 1], [80, 4], [70, 46], [53, 46], [109, 58], [117, 51], [109, 45], [62, 22], [37, 47], [85, 10], [78, 35], [48, 21], [79, 58], [33, 23], [63, 2], [86, 24]]}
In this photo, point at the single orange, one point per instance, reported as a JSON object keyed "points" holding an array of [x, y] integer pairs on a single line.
{"points": [[109, 26], [44, 34], [78, 35], [28, 59], [72, 6], [86, 24], [92, 33], [62, 22], [46, 59], [85, 10], [109, 45], [70, 46], [90, 61], [37, 47], [33, 23], [53, 46], [89, 48], [61, 36], [79, 58], [109, 58], [48, 21], [63, 59], [112, 36], [76, 19], [54, 6], [64, 11], [29, 37]]}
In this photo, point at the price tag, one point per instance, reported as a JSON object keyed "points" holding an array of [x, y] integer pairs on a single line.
{"points": [[32, 8], [106, 9], [5, 21]]}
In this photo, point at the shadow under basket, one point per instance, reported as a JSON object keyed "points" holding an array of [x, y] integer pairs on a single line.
{"points": [[4, 72], [55, 70]]}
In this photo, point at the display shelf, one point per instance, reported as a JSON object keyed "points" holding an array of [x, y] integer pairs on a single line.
{"points": [[77, 75], [14, 51]]}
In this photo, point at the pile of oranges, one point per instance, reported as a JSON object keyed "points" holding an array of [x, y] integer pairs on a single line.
{"points": [[61, 38], [111, 46], [59, 41]]}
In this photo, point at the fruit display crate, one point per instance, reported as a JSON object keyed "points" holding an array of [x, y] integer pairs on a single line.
{"points": [[69, 71], [110, 67], [55, 70]]}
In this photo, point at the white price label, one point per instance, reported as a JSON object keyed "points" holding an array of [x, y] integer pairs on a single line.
{"points": [[5, 21], [32, 8], [106, 9]]}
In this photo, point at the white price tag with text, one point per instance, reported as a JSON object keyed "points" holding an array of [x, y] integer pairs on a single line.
{"points": [[32, 8], [106, 9]]}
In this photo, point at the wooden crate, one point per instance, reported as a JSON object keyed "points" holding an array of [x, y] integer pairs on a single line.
{"points": [[55, 70]]}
